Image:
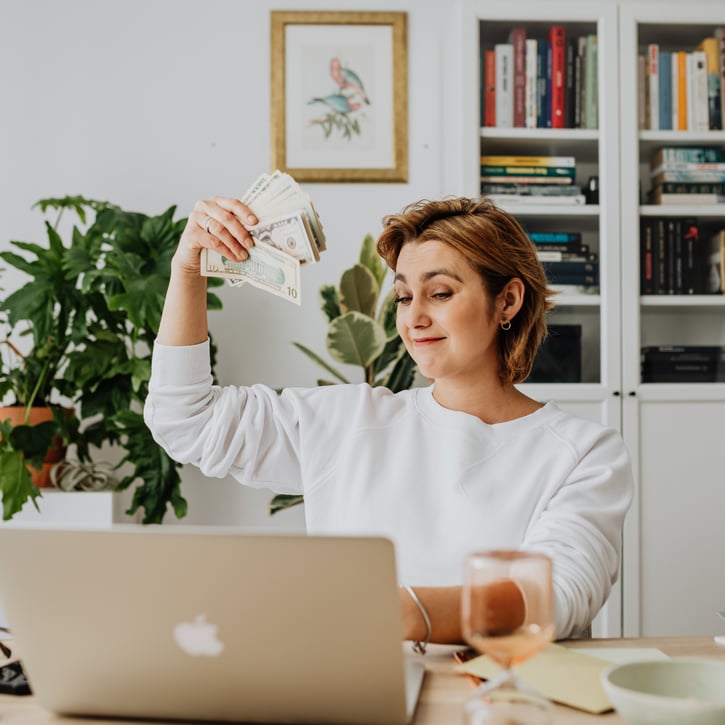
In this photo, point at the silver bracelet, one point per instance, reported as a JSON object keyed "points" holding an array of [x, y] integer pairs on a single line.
{"points": [[418, 646]]}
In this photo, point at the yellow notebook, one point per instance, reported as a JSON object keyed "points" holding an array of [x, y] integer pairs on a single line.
{"points": [[560, 674]]}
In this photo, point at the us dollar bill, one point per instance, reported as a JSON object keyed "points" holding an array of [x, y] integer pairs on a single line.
{"points": [[266, 268], [290, 233]]}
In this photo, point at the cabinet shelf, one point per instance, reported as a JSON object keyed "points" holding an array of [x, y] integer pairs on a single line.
{"points": [[699, 210], [650, 141], [579, 142], [691, 301], [566, 299], [557, 210]]}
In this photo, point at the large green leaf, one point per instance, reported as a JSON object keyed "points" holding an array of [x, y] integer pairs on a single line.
{"points": [[330, 301], [17, 484], [158, 473], [359, 290], [283, 501], [355, 339], [369, 258], [402, 375]]}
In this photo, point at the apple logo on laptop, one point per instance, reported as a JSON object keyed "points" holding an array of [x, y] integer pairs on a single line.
{"points": [[198, 638]]}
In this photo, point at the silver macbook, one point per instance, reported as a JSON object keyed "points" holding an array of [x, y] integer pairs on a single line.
{"points": [[208, 624]]}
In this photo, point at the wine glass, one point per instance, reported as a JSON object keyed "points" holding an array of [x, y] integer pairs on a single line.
{"points": [[507, 614]]}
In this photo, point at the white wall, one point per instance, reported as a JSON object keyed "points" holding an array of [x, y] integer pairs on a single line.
{"points": [[149, 103]]}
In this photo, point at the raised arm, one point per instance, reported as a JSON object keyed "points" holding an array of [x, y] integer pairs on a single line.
{"points": [[214, 223]]}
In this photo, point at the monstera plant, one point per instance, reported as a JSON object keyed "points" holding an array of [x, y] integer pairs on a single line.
{"points": [[85, 321], [361, 332]]}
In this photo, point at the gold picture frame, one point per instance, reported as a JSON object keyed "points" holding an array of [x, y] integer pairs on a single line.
{"points": [[339, 100]]}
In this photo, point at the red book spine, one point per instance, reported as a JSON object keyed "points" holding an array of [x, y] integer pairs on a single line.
{"points": [[557, 36], [489, 88], [517, 38]]}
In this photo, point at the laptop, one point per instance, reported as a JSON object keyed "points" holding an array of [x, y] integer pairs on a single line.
{"points": [[209, 624]]}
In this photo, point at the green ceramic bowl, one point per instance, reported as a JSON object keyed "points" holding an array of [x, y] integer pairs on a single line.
{"points": [[680, 691]]}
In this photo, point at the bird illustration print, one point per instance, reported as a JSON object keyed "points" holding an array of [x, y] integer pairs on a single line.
{"points": [[343, 106]]}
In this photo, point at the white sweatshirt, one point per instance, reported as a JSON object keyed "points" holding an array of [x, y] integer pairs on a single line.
{"points": [[439, 483]]}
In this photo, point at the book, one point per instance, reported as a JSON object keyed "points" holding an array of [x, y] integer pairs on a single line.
{"points": [[711, 48], [525, 179], [699, 92], [577, 280], [555, 237], [557, 255], [646, 272], [532, 189], [641, 92], [657, 196], [579, 250], [653, 85], [690, 187], [665, 91], [499, 160], [591, 82], [675, 89], [688, 172], [489, 88], [681, 59], [670, 233], [517, 39], [689, 84], [531, 87], [716, 166], [548, 200], [690, 233], [548, 94], [571, 267], [682, 363], [504, 85], [516, 170], [659, 256], [569, 83], [720, 35], [541, 56], [557, 37], [686, 154], [579, 62]]}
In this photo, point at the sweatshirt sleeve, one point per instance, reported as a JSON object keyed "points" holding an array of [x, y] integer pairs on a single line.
{"points": [[581, 528], [250, 433]]}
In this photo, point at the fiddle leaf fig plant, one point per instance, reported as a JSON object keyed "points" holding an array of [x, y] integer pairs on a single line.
{"points": [[89, 312], [361, 332]]}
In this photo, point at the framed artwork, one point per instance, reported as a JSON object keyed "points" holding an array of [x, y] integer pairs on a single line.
{"points": [[340, 95]]}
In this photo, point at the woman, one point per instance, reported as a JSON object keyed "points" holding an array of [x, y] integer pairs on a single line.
{"points": [[467, 463]]}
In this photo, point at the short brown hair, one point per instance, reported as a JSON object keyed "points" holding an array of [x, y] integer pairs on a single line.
{"points": [[498, 248]]}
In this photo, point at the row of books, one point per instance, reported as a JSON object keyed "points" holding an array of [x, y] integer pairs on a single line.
{"points": [[530, 179], [687, 175], [567, 261], [548, 82], [683, 364], [683, 89], [675, 260]]}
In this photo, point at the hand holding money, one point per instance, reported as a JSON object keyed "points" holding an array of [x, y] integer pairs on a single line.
{"points": [[287, 235]]}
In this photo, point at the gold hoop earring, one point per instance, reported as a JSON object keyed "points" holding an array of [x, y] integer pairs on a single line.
{"points": [[505, 324]]}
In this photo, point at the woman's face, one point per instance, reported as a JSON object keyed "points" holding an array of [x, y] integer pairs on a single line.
{"points": [[445, 316]]}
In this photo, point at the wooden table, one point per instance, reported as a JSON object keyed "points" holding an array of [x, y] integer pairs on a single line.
{"points": [[444, 690]]}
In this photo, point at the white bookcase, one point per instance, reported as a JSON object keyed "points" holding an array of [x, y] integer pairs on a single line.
{"points": [[673, 561], [675, 432], [485, 23]]}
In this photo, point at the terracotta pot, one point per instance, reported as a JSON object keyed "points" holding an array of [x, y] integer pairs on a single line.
{"points": [[55, 453]]}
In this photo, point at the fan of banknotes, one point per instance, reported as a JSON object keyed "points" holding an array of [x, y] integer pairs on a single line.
{"points": [[288, 234]]}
